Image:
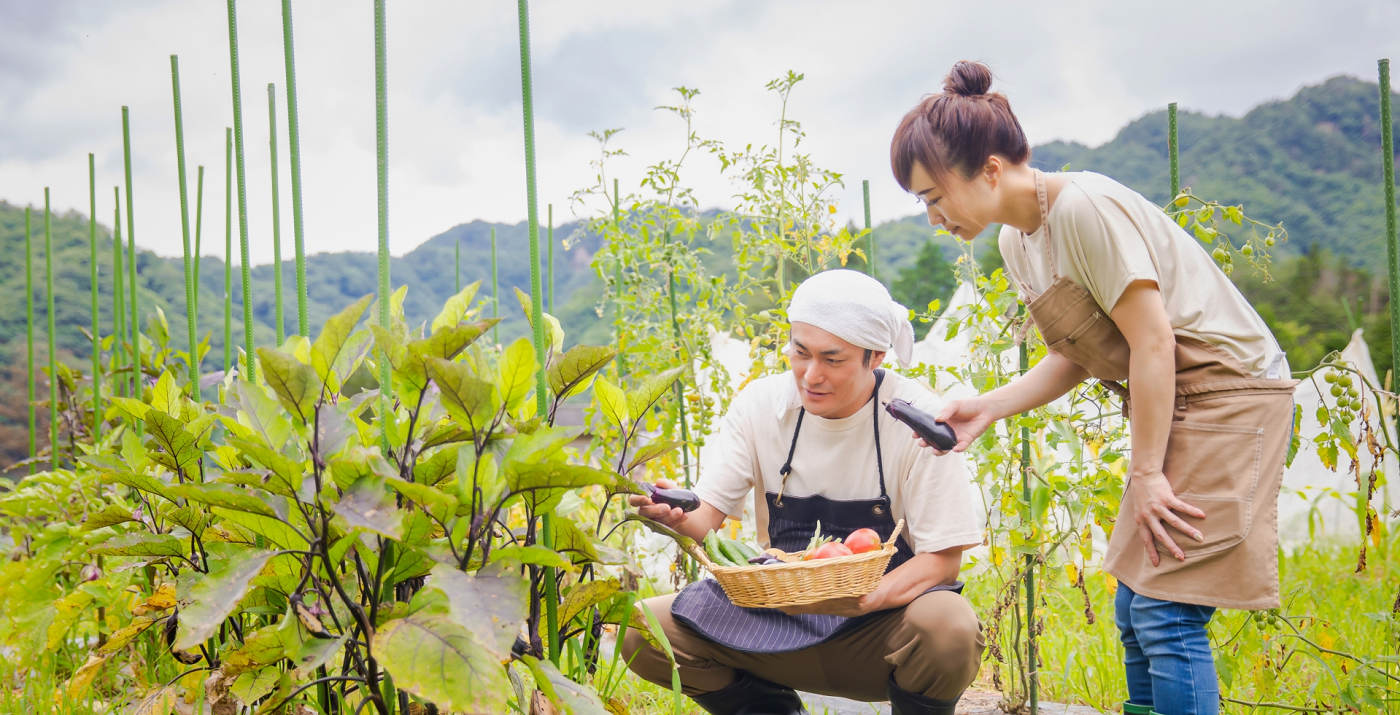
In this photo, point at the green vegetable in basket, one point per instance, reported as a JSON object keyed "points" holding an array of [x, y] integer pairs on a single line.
{"points": [[742, 550], [715, 551]]}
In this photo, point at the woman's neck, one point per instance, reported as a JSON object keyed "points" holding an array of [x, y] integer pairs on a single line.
{"points": [[1020, 207]]}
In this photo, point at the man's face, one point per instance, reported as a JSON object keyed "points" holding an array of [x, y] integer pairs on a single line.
{"points": [[832, 378]]}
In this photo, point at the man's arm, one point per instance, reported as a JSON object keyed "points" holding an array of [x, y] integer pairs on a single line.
{"points": [[694, 524], [898, 588]]}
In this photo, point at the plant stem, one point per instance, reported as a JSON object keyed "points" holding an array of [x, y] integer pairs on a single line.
{"points": [[1032, 669], [279, 323], [137, 389], [536, 306], [185, 229], [118, 292], [228, 250], [53, 345], [1173, 150], [870, 235], [381, 142], [29, 334], [250, 360], [92, 273], [1388, 167], [294, 147]]}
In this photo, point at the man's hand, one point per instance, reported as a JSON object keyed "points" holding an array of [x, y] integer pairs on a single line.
{"points": [[849, 607], [660, 513], [1155, 503], [969, 419]]}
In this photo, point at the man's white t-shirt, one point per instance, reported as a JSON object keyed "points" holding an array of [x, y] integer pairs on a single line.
{"points": [[836, 459], [1106, 236]]}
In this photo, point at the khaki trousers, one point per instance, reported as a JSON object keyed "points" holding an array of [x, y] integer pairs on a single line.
{"points": [[933, 647]]}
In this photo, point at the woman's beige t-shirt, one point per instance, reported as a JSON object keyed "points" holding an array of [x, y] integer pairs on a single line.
{"points": [[1106, 236], [836, 459]]}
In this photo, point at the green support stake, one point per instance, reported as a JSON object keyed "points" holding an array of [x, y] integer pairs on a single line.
{"points": [[118, 294], [495, 290], [1031, 665], [1388, 165], [185, 228], [228, 250], [53, 343], [279, 324], [551, 586], [198, 235], [29, 334], [294, 147], [381, 144], [96, 328], [870, 235], [457, 261], [1173, 150], [250, 359], [550, 259], [617, 284], [137, 389]]}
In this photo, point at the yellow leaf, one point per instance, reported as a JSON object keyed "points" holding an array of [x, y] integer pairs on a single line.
{"points": [[1072, 573], [1110, 583], [77, 687], [163, 598], [69, 608]]}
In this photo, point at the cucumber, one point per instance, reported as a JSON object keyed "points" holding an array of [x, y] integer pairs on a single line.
{"points": [[731, 552], [714, 550], [745, 551]]}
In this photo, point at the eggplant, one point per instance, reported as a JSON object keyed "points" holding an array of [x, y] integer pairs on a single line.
{"points": [[765, 559], [682, 499], [938, 434]]}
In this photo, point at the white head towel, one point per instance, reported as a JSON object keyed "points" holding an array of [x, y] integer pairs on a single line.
{"points": [[856, 308]]}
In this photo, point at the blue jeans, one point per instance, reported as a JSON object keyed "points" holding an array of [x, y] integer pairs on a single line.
{"points": [[1167, 654]]}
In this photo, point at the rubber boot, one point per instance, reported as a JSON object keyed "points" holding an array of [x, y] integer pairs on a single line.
{"points": [[750, 695], [903, 702], [1131, 709]]}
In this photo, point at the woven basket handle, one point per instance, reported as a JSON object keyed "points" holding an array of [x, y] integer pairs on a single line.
{"points": [[698, 554], [897, 528]]}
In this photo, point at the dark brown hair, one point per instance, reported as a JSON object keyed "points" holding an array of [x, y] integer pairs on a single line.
{"points": [[958, 130]]}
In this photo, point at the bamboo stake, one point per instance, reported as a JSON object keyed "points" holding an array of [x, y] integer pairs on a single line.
{"points": [[228, 249], [495, 290], [96, 328], [551, 259], [617, 284], [29, 333], [870, 236], [185, 228], [53, 344], [1388, 168], [1173, 149], [381, 145], [118, 294], [279, 325], [1032, 669], [250, 360], [294, 147], [551, 586], [137, 389]]}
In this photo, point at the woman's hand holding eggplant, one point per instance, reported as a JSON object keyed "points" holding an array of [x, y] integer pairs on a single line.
{"points": [[661, 513], [1155, 503], [969, 418]]}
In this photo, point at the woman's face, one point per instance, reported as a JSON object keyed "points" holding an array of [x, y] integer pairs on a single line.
{"points": [[965, 207]]}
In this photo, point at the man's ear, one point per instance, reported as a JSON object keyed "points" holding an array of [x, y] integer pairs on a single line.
{"points": [[876, 357]]}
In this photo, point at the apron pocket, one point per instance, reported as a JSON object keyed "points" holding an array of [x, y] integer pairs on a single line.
{"points": [[1098, 346], [1215, 468]]}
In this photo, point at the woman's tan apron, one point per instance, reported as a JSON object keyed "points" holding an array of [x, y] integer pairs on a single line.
{"points": [[1225, 453]]}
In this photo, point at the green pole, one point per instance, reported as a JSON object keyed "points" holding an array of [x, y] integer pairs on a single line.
{"points": [[228, 250], [1388, 165], [1031, 666], [869, 237], [251, 360], [381, 142], [294, 147], [551, 587], [118, 292], [92, 273], [279, 325], [29, 333], [617, 282], [53, 343], [185, 228], [495, 290], [1173, 150], [137, 389], [550, 260], [457, 261]]}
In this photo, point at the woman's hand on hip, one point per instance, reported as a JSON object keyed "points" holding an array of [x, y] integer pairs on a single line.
{"points": [[1155, 503], [969, 418]]}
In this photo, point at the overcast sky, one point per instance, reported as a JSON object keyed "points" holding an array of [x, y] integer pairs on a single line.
{"points": [[1076, 70]]}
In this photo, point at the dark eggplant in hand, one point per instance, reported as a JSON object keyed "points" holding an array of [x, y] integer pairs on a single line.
{"points": [[682, 499], [938, 434]]}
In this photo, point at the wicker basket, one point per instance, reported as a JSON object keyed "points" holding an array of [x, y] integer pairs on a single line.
{"points": [[802, 582]]}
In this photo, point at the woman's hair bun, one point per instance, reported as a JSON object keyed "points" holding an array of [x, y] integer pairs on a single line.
{"points": [[968, 79]]}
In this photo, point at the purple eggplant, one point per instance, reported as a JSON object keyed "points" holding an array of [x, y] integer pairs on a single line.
{"points": [[938, 434], [682, 499], [765, 559]]}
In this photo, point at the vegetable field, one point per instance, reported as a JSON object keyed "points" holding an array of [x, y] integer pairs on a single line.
{"points": [[375, 516]]}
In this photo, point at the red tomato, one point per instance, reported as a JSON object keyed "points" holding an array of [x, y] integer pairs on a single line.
{"points": [[828, 551], [863, 540]]}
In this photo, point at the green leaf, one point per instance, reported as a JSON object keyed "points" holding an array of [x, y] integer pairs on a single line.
{"points": [[142, 482], [652, 388], [611, 400], [279, 533], [685, 542], [572, 373], [261, 412], [517, 370], [456, 308], [553, 332], [334, 336], [138, 544], [572, 542], [490, 603], [391, 342], [261, 647], [368, 505], [248, 687], [436, 659], [192, 519], [584, 596], [109, 516], [232, 497], [356, 463], [542, 485], [568, 697], [480, 474], [433, 470], [181, 449], [652, 451], [215, 596], [534, 554], [469, 400], [540, 445], [296, 384], [439, 504], [165, 396], [287, 475], [447, 342], [135, 408]]}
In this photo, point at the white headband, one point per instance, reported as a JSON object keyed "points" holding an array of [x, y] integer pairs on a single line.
{"points": [[856, 308]]}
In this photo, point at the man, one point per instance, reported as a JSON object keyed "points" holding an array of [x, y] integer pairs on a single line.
{"points": [[818, 447]]}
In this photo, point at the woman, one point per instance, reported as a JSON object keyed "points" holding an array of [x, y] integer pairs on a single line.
{"points": [[1117, 289]]}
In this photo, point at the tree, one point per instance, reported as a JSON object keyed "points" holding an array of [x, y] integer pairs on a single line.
{"points": [[931, 277]]}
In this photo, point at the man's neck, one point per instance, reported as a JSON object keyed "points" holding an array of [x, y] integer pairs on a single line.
{"points": [[858, 401]]}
